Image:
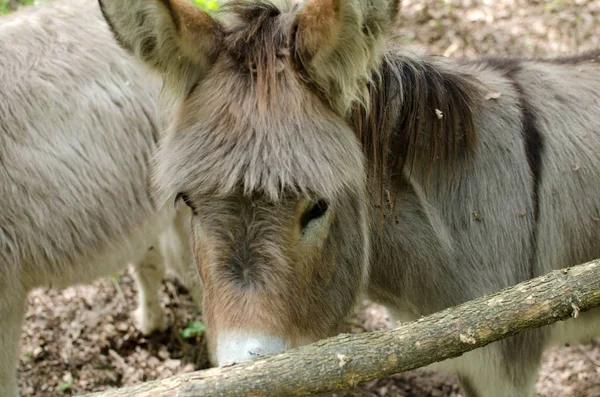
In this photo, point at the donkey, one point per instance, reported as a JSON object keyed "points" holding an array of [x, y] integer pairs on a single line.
{"points": [[323, 160], [77, 132]]}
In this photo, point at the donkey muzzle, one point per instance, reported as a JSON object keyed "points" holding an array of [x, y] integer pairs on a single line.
{"points": [[236, 346]]}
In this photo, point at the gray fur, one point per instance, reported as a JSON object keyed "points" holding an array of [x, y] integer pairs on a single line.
{"points": [[448, 181], [77, 131]]}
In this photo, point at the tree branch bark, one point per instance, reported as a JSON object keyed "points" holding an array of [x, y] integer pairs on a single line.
{"points": [[346, 360]]}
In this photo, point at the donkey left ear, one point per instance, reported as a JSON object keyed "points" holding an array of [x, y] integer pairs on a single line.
{"points": [[173, 37], [339, 42]]}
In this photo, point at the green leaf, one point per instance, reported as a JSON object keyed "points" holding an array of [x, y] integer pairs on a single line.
{"points": [[193, 329], [207, 5], [3, 7], [65, 385]]}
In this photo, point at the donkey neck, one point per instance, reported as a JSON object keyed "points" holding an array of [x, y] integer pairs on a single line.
{"points": [[418, 127]]}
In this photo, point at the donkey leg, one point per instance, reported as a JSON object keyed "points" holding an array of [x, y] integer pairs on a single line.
{"points": [[498, 385], [190, 279], [149, 272], [506, 368], [176, 248], [11, 318]]}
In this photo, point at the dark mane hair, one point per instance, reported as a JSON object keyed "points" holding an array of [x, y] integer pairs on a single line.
{"points": [[417, 110], [258, 43]]}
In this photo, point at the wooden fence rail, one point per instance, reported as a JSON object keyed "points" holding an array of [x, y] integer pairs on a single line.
{"points": [[343, 361]]}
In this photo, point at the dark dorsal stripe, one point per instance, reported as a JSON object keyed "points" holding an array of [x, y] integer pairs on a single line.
{"points": [[586, 57], [534, 145], [532, 138]]}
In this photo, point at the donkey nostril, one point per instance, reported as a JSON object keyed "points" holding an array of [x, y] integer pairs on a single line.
{"points": [[254, 350], [254, 354]]}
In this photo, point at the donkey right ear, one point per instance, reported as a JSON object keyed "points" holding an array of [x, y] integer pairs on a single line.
{"points": [[173, 37], [340, 42]]}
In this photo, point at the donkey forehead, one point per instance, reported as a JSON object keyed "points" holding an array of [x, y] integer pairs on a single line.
{"points": [[218, 148]]}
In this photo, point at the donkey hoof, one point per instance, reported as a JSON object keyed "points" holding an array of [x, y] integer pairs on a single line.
{"points": [[149, 322]]}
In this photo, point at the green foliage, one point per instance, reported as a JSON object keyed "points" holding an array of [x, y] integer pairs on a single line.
{"points": [[207, 5], [65, 385], [7, 6], [193, 329]]}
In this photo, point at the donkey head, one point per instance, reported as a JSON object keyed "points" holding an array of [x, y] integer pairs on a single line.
{"points": [[259, 147]]}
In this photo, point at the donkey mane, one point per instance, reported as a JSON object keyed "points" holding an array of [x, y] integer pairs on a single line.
{"points": [[418, 109], [423, 108], [512, 62], [589, 56], [255, 39]]}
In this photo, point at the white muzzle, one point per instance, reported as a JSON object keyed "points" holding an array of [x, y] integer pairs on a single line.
{"points": [[236, 347]]}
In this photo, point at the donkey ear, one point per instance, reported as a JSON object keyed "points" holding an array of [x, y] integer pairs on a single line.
{"points": [[339, 42], [173, 37], [318, 28], [321, 23]]}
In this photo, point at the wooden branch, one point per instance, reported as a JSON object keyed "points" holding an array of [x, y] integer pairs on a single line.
{"points": [[344, 361]]}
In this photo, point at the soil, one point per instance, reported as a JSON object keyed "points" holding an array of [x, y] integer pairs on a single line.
{"points": [[83, 338]]}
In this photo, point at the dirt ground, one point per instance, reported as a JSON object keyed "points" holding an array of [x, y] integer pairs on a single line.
{"points": [[83, 338]]}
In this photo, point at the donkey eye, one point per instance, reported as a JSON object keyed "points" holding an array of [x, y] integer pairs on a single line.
{"points": [[315, 212], [186, 200]]}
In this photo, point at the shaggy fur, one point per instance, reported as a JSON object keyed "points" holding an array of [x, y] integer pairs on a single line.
{"points": [[77, 131], [443, 180]]}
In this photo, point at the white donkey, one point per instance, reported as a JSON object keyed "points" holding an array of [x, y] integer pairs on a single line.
{"points": [[77, 131]]}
